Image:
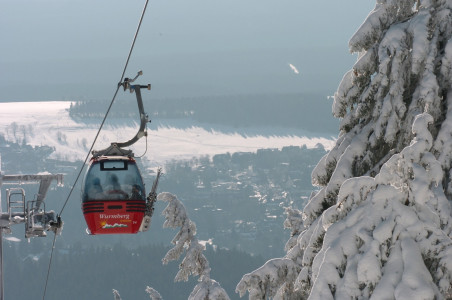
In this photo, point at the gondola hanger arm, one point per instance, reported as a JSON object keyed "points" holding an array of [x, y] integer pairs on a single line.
{"points": [[115, 148]]}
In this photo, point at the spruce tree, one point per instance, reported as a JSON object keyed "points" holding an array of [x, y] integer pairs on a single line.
{"points": [[380, 226]]}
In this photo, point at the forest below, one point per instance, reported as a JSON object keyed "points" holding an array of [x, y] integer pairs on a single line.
{"points": [[235, 199], [80, 272]]}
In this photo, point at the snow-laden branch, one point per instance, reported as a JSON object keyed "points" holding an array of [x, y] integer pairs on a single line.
{"points": [[294, 222], [380, 18], [265, 282], [153, 294], [208, 289], [194, 262], [116, 295]]}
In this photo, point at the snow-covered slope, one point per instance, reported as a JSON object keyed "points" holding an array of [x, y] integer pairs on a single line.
{"points": [[49, 123]]}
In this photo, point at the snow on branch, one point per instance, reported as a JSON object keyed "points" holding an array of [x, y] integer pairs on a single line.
{"points": [[153, 294], [265, 282], [194, 262], [116, 295], [208, 289], [380, 18], [294, 222]]}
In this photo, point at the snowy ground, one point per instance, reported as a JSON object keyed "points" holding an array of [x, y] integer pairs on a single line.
{"points": [[48, 123]]}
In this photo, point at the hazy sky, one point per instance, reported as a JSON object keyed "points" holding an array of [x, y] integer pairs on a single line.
{"points": [[72, 49]]}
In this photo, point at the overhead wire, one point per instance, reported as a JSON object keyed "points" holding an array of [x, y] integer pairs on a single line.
{"points": [[50, 264], [96, 137], [109, 107]]}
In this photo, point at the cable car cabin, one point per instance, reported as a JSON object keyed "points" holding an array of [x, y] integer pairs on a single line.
{"points": [[113, 196]]}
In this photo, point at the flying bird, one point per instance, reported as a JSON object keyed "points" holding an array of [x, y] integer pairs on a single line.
{"points": [[294, 69]]}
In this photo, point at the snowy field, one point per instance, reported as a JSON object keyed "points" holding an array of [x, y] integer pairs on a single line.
{"points": [[48, 123]]}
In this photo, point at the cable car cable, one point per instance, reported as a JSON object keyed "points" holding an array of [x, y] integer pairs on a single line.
{"points": [[109, 107], [50, 264], [95, 139]]}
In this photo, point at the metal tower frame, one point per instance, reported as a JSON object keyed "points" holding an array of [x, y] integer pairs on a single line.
{"points": [[32, 213]]}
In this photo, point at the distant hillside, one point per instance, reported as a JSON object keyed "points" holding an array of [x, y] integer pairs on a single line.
{"points": [[309, 112]]}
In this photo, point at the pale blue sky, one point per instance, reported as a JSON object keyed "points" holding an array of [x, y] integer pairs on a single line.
{"points": [[69, 49]]}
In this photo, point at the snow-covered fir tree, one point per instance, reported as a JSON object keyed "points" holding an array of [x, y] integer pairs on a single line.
{"points": [[380, 226]]}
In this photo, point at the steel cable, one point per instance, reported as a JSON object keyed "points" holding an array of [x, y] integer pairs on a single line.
{"points": [[95, 139]]}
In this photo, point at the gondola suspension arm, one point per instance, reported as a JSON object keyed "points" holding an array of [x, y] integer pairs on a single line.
{"points": [[116, 147]]}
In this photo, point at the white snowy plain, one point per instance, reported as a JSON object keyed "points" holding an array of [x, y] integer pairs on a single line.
{"points": [[48, 123]]}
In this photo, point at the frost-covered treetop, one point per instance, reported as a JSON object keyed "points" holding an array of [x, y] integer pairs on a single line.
{"points": [[194, 262], [380, 225]]}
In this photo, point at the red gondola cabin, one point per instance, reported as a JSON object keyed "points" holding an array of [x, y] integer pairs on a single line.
{"points": [[113, 196]]}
